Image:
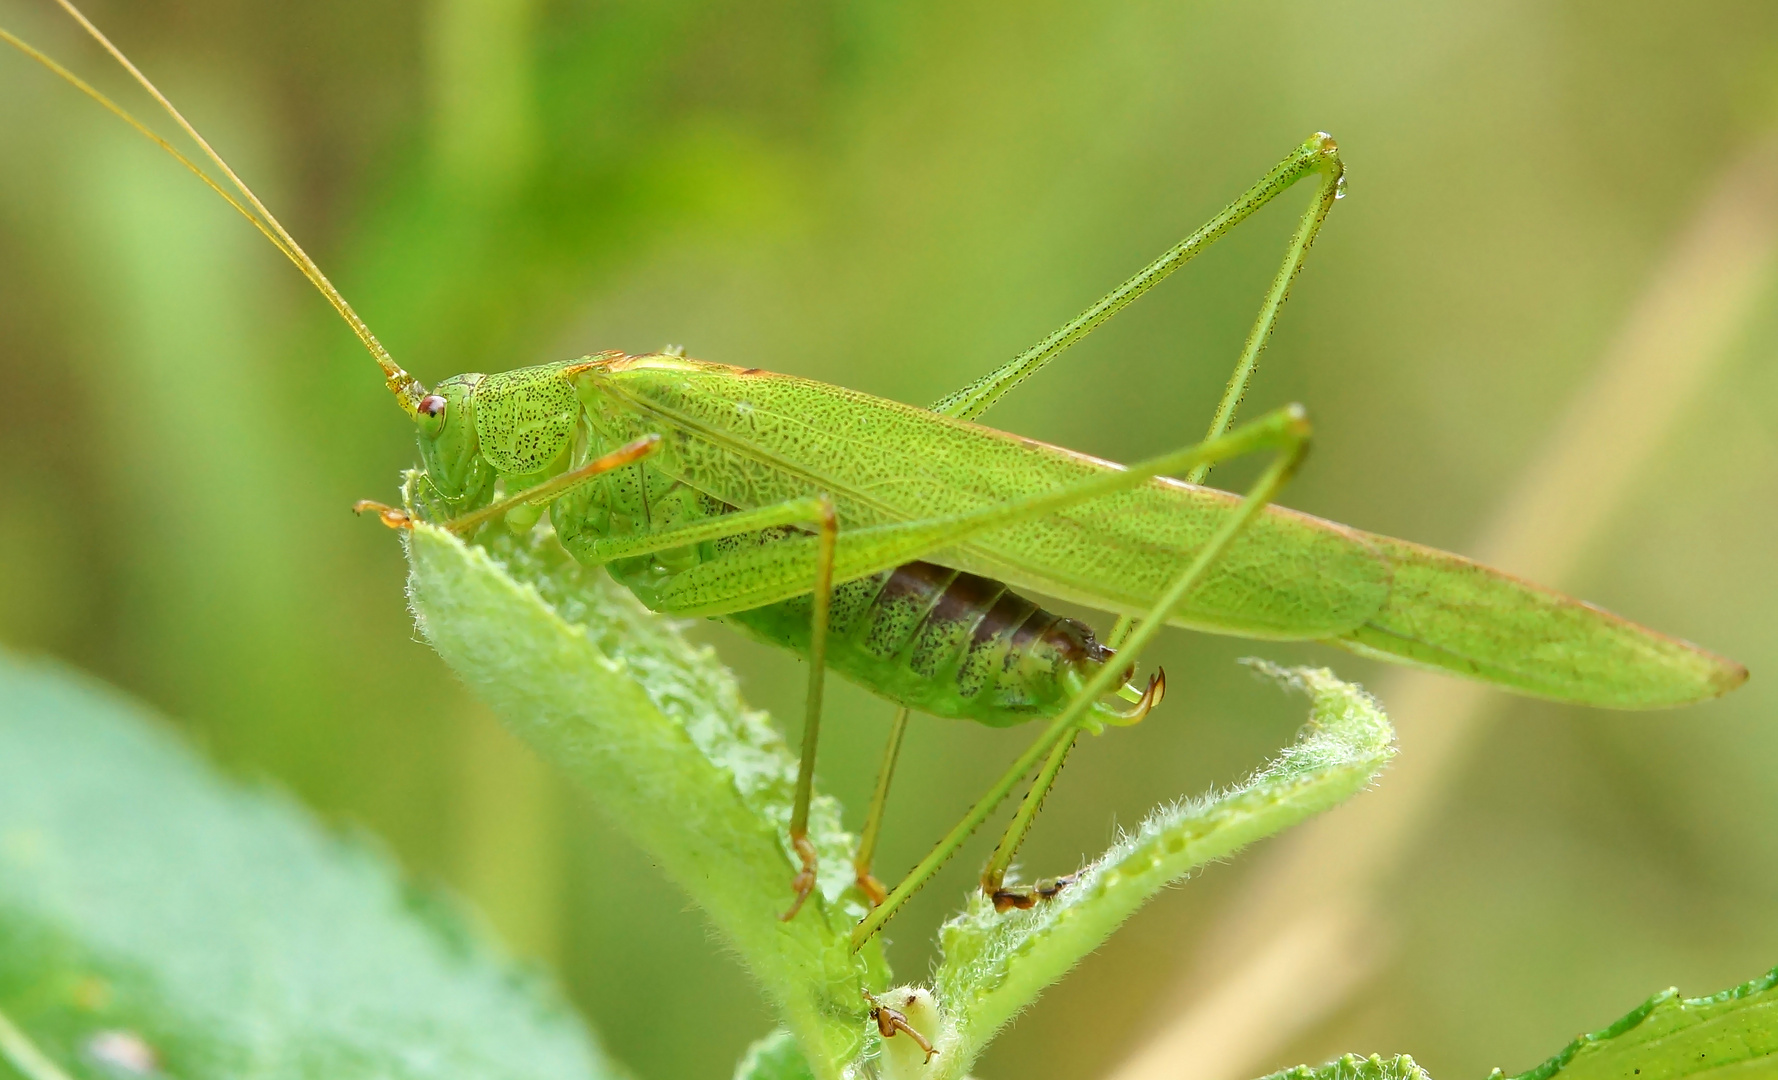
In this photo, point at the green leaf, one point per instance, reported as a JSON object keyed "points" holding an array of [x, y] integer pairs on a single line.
{"points": [[656, 732], [1353, 1067], [151, 911], [1734, 1033], [995, 964], [775, 1057]]}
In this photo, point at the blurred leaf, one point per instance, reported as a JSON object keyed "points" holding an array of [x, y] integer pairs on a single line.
{"points": [[1353, 1067], [657, 733], [775, 1057], [154, 918], [996, 964], [1667, 1037]]}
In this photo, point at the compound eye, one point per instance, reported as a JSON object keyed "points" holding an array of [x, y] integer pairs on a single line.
{"points": [[432, 414]]}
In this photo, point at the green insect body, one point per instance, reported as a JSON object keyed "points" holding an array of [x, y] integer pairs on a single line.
{"points": [[938, 640], [738, 439]]}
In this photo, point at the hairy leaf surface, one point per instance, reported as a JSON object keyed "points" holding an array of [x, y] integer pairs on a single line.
{"points": [[657, 733]]}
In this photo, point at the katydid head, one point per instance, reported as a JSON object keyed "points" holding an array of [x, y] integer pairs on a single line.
{"points": [[449, 449], [525, 419]]}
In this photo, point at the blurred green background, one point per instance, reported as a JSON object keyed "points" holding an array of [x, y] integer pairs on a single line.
{"points": [[896, 197]]}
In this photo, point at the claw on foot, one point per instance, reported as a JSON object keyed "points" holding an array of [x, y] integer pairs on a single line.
{"points": [[804, 882], [1147, 700], [394, 517], [1026, 897], [889, 1021], [1104, 714], [1151, 696]]}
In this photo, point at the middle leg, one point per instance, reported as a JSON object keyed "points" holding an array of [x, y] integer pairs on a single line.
{"points": [[873, 819], [828, 529]]}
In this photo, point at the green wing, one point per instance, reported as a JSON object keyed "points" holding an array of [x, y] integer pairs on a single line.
{"points": [[753, 438], [1451, 614]]}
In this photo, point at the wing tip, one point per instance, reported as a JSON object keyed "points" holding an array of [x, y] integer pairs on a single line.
{"points": [[1682, 674], [1726, 675]]}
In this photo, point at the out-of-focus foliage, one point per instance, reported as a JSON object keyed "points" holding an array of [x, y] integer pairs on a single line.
{"points": [[775, 1057], [896, 196], [155, 920]]}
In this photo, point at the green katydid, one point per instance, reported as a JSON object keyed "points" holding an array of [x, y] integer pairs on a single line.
{"points": [[884, 541]]}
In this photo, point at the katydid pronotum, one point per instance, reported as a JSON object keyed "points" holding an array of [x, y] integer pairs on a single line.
{"points": [[884, 541]]}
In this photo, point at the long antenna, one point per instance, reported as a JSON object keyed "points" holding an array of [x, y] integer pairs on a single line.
{"points": [[405, 387]]}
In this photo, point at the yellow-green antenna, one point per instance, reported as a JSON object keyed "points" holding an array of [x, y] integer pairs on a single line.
{"points": [[405, 387]]}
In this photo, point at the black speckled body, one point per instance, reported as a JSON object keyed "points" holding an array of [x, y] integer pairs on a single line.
{"points": [[943, 642]]}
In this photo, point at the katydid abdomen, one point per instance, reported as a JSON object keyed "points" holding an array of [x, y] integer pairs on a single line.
{"points": [[943, 642]]}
